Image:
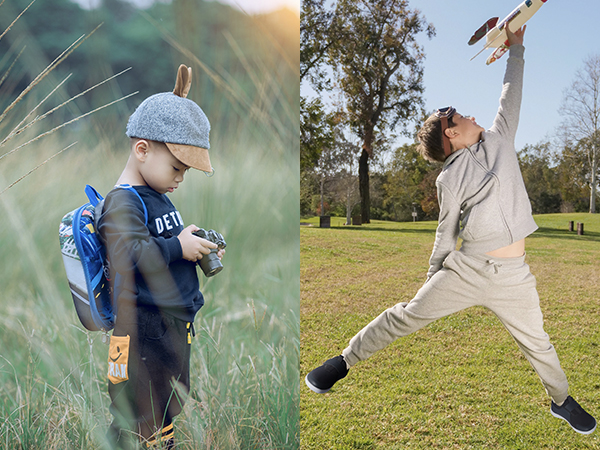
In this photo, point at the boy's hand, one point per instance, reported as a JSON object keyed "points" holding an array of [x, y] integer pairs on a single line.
{"points": [[516, 37], [193, 247]]}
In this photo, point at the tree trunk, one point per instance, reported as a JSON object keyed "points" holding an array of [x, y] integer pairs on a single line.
{"points": [[594, 180], [322, 194], [363, 184], [349, 205]]}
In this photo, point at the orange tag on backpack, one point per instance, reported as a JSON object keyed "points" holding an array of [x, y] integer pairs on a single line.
{"points": [[118, 356]]}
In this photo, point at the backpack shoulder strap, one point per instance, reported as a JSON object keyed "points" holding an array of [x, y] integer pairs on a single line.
{"points": [[97, 201], [131, 189], [93, 195]]}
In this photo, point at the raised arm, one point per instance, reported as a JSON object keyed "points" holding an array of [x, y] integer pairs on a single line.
{"points": [[507, 118]]}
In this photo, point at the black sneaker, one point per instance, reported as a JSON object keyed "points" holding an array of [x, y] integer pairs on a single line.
{"points": [[321, 379], [575, 415]]}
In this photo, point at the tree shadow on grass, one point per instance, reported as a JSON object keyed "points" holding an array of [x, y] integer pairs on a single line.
{"points": [[389, 230], [542, 232], [556, 233]]}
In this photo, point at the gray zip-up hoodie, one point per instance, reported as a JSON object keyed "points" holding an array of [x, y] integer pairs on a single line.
{"points": [[481, 191]]}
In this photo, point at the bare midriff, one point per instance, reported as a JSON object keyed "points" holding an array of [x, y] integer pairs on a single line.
{"points": [[513, 250]]}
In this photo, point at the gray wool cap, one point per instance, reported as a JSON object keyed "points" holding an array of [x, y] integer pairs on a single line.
{"points": [[169, 118]]}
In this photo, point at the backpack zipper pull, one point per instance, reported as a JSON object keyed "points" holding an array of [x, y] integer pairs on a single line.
{"points": [[105, 336]]}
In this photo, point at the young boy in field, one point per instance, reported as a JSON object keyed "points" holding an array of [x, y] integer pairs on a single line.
{"points": [[483, 201], [153, 260]]}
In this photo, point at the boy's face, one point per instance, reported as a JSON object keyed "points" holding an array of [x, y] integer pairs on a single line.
{"points": [[160, 169], [466, 127]]}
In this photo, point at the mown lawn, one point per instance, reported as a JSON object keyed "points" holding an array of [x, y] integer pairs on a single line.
{"points": [[460, 383]]}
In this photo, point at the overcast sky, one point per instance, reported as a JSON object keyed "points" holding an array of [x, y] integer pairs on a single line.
{"points": [[249, 6], [259, 6]]}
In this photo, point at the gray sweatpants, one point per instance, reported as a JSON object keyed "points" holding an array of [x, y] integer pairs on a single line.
{"points": [[503, 285]]}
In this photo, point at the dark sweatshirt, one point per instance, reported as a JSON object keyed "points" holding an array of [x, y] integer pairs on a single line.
{"points": [[148, 258]]}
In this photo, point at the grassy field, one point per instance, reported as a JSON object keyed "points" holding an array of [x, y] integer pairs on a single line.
{"points": [[461, 382], [53, 373], [245, 355]]}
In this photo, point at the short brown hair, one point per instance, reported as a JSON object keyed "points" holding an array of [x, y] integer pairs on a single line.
{"points": [[431, 145]]}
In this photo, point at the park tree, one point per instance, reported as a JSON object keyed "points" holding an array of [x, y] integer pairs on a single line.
{"points": [[346, 182], [335, 162], [581, 112], [316, 132], [429, 203], [573, 179], [541, 180], [408, 185], [347, 190], [318, 32], [326, 169], [379, 68]]}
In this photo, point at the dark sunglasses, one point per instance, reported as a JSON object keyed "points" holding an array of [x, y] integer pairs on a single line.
{"points": [[444, 114], [447, 112]]}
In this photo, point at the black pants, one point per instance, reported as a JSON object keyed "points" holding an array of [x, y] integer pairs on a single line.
{"points": [[146, 394]]}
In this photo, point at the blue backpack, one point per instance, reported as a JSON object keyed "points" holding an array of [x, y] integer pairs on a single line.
{"points": [[86, 264]]}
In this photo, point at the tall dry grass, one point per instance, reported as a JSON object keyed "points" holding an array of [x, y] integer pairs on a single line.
{"points": [[53, 383]]}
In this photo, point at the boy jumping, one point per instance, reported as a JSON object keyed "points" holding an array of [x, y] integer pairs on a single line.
{"points": [[483, 201], [153, 260]]}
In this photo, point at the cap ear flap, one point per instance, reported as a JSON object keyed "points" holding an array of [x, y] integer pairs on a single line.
{"points": [[183, 82], [188, 85]]}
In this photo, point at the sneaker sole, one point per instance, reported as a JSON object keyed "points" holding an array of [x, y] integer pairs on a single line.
{"points": [[578, 431], [313, 388]]}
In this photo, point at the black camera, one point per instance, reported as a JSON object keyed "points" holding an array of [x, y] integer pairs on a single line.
{"points": [[211, 264]]}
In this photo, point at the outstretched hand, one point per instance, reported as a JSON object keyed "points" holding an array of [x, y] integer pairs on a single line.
{"points": [[516, 37]]}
